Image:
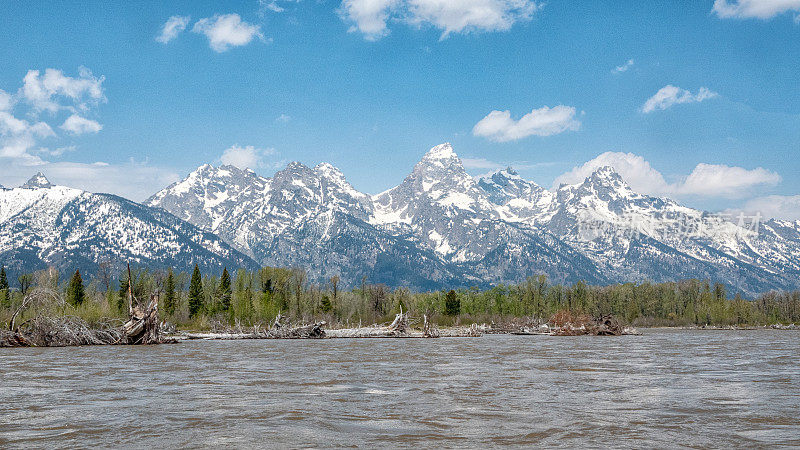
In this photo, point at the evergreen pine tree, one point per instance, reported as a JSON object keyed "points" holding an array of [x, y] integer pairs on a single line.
{"points": [[122, 298], [325, 305], [452, 305], [170, 300], [196, 292], [225, 289], [75, 292], [4, 296], [3, 279]]}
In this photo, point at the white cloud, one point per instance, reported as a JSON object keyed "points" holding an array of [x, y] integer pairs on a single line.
{"points": [[634, 169], [774, 206], [623, 68], [76, 125], [226, 31], [371, 17], [368, 16], [21, 139], [498, 126], [43, 91], [273, 5], [759, 9], [172, 28], [671, 95], [6, 100], [706, 180], [283, 118], [719, 180], [245, 157], [18, 136]]}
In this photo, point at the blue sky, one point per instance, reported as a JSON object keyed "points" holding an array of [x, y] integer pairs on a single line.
{"points": [[370, 85]]}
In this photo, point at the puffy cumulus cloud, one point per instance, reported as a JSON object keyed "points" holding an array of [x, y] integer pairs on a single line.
{"points": [[246, 157], [498, 126], [174, 26], [226, 31], [54, 91], [18, 137], [133, 180], [368, 17], [76, 125], [623, 68], [706, 180], [785, 207], [719, 180], [634, 169], [671, 95], [371, 17], [758, 9]]}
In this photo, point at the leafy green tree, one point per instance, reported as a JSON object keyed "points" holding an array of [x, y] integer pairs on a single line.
{"points": [[452, 305], [75, 292], [196, 292], [225, 289], [170, 298]]}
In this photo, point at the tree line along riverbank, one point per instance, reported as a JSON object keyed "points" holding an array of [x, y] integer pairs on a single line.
{"points": [[253, 299]]}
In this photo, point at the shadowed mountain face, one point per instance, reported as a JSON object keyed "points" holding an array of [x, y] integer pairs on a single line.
{"points": [[441, 227]]}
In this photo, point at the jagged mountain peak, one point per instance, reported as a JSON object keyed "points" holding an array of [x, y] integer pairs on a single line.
{"points": [[331, 172], [37, 181], [606, 173], [441, 151]]}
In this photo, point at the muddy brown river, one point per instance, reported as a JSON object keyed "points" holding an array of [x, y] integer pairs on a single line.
{"points": [[666, 388]]}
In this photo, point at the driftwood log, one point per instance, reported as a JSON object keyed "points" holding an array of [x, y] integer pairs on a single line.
{"points": [[429, 330], [143, 326]]}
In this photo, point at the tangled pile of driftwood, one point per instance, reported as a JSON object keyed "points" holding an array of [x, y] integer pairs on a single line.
{"points": [[282, 331], [398, 328], [564, 323], [142, 327]]}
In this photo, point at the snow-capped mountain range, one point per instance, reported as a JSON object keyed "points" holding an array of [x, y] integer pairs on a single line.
{"points": [[44, 225], [439, 227]]}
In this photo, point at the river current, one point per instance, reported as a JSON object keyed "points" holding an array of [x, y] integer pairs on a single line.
{"points": [[665, 388]]}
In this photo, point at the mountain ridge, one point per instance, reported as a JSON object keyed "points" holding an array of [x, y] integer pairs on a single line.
{"points": [[442, 227]]}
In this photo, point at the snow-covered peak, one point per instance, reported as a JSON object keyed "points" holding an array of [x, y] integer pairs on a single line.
{"points": [[441, 151], [606, 174], [37, 181], [328, 170]]}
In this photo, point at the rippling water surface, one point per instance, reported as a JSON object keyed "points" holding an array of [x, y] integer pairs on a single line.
{"points": [[665, 388]]}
